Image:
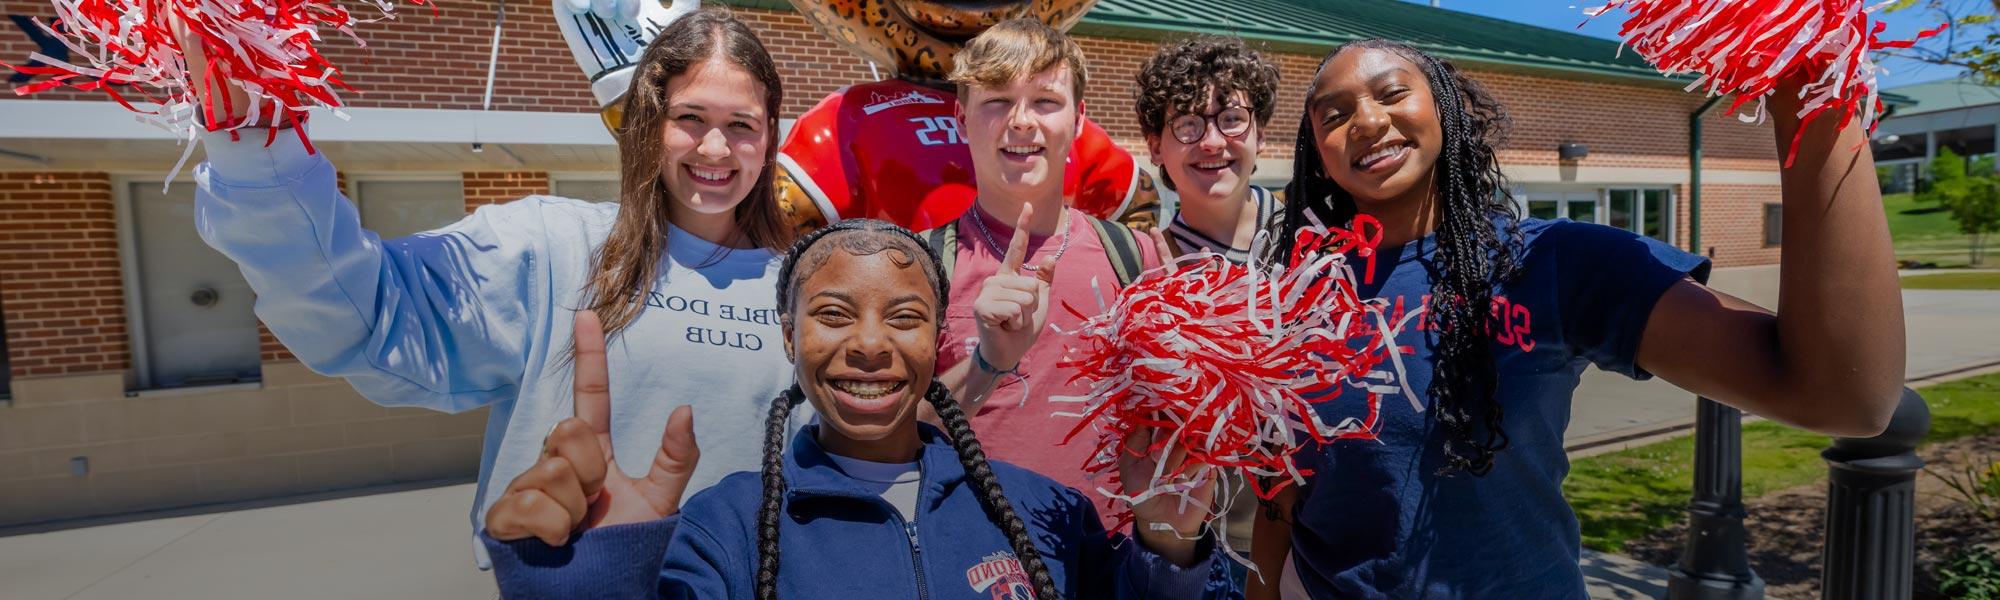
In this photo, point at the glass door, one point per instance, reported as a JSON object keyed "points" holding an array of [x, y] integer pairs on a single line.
{"points": [[1645, 211], [1577, 205]]}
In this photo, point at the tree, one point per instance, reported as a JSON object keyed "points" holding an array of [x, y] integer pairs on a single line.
{"points": [[1978, 214], [1972, 197], [1948, 177], [1971, 43]]}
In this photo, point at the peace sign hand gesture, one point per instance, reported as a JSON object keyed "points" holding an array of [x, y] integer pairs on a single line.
{"points": [[577, 484]]}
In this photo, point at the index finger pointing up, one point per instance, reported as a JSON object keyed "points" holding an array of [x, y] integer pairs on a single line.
{"points": [[1017, 247], [592, 376]]}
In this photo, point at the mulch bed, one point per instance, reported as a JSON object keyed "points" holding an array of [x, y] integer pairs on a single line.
{"points": [[1787, 527]]}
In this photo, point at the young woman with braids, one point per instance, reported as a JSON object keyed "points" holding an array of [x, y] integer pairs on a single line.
{"points": [[867, 503], [1464, 499], [478, 313]]}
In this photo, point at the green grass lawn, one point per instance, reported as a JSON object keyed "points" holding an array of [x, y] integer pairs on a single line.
{"points": [[1924, 233], [1622, 495], [1988, 280]]}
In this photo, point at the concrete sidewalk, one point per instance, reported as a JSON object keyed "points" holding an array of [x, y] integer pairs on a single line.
{"points": [[380, 543], [1949, 333]]}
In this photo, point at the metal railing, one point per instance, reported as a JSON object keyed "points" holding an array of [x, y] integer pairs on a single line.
{"points": [[1869, 550]]}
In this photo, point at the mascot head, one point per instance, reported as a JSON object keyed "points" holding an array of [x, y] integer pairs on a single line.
{"points": [[606, 38], [917, 38]]}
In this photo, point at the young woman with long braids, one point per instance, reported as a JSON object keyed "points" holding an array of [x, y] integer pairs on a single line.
{"points": [[478, 313], [1464, 499], [867, 503]]}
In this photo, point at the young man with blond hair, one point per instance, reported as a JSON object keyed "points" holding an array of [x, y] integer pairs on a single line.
{"points": [[1020, 107]]}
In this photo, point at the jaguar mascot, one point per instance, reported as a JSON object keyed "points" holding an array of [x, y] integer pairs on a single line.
{"points": [[886, 149]]}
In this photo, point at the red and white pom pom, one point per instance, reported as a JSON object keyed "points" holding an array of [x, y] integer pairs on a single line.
{"points": [[1224, 361], [263, 46], [1746, 47]]}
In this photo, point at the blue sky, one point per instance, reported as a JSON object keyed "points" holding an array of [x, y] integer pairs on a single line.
{"points": [[1567, 14]]}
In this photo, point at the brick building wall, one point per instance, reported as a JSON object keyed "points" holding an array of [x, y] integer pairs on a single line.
{"points": [[62, 289], [494, 187]]}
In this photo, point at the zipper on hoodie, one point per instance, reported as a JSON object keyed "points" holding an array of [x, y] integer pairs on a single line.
{"points": [[917, 558]]}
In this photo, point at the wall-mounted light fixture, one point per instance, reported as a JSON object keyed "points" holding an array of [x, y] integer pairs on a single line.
{"points": [[1572, 151]]}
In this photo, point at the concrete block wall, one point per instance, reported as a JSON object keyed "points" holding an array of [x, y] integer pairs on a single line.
{"points": [[297, 432]]}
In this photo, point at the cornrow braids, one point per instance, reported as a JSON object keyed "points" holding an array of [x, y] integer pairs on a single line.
{"points": [[986, 487], [800, 264], [1473, 253]]}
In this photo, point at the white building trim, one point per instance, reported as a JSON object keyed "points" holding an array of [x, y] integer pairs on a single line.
{"points": [[71, 119], [1633, 175]]}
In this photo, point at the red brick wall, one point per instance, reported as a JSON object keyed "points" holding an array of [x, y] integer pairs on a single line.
{"points": [[1732, 219], [494, 187], [59, 278], [811, 65], [60, 290]]}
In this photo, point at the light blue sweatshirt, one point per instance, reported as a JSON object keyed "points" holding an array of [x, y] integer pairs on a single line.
{"points": [[480, 313]]}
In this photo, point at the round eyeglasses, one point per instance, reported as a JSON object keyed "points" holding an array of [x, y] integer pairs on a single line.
{"points": [[1232, 122]]}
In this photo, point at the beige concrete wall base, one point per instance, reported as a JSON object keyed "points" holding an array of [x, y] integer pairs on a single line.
{"points": [[298, 432], [33, 391]]}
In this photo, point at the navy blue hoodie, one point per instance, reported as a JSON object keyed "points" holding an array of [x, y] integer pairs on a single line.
{"points": [[839, 540]]}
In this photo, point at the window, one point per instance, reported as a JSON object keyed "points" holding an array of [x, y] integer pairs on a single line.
{"points": [[1654, 215], [1645, 211], [594, 190], [190, 308], [394, 208], [1774, 225], [1577, 205], [1623, 206]]}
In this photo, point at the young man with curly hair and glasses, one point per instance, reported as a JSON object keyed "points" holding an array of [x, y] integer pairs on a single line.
{"points": [[1203, 104]]}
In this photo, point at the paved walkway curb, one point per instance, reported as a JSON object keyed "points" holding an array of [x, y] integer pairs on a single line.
{"points": [[1633, 437]]}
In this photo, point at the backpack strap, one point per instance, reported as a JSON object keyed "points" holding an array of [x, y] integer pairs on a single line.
{"points": [[1121, 246], [944, 240]]}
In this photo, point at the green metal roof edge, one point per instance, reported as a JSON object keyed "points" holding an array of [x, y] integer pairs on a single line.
{"points": [[1912, 100], [1146, 29], [1162, 30]]}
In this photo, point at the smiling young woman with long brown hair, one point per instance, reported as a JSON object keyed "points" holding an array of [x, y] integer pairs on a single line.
{"points": [[478, 313]]}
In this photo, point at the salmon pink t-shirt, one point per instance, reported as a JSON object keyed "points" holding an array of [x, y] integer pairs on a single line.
{"points": [[1017, 423]]}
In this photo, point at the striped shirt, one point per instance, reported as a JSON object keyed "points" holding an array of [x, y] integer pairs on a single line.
{"points": [[1187, 239]]}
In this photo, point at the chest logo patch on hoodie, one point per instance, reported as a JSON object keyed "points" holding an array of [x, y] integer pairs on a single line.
{"points": [[1001, 577]]}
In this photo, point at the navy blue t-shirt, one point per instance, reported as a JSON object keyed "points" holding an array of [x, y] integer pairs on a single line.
{"points": [[1375, 520]]}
